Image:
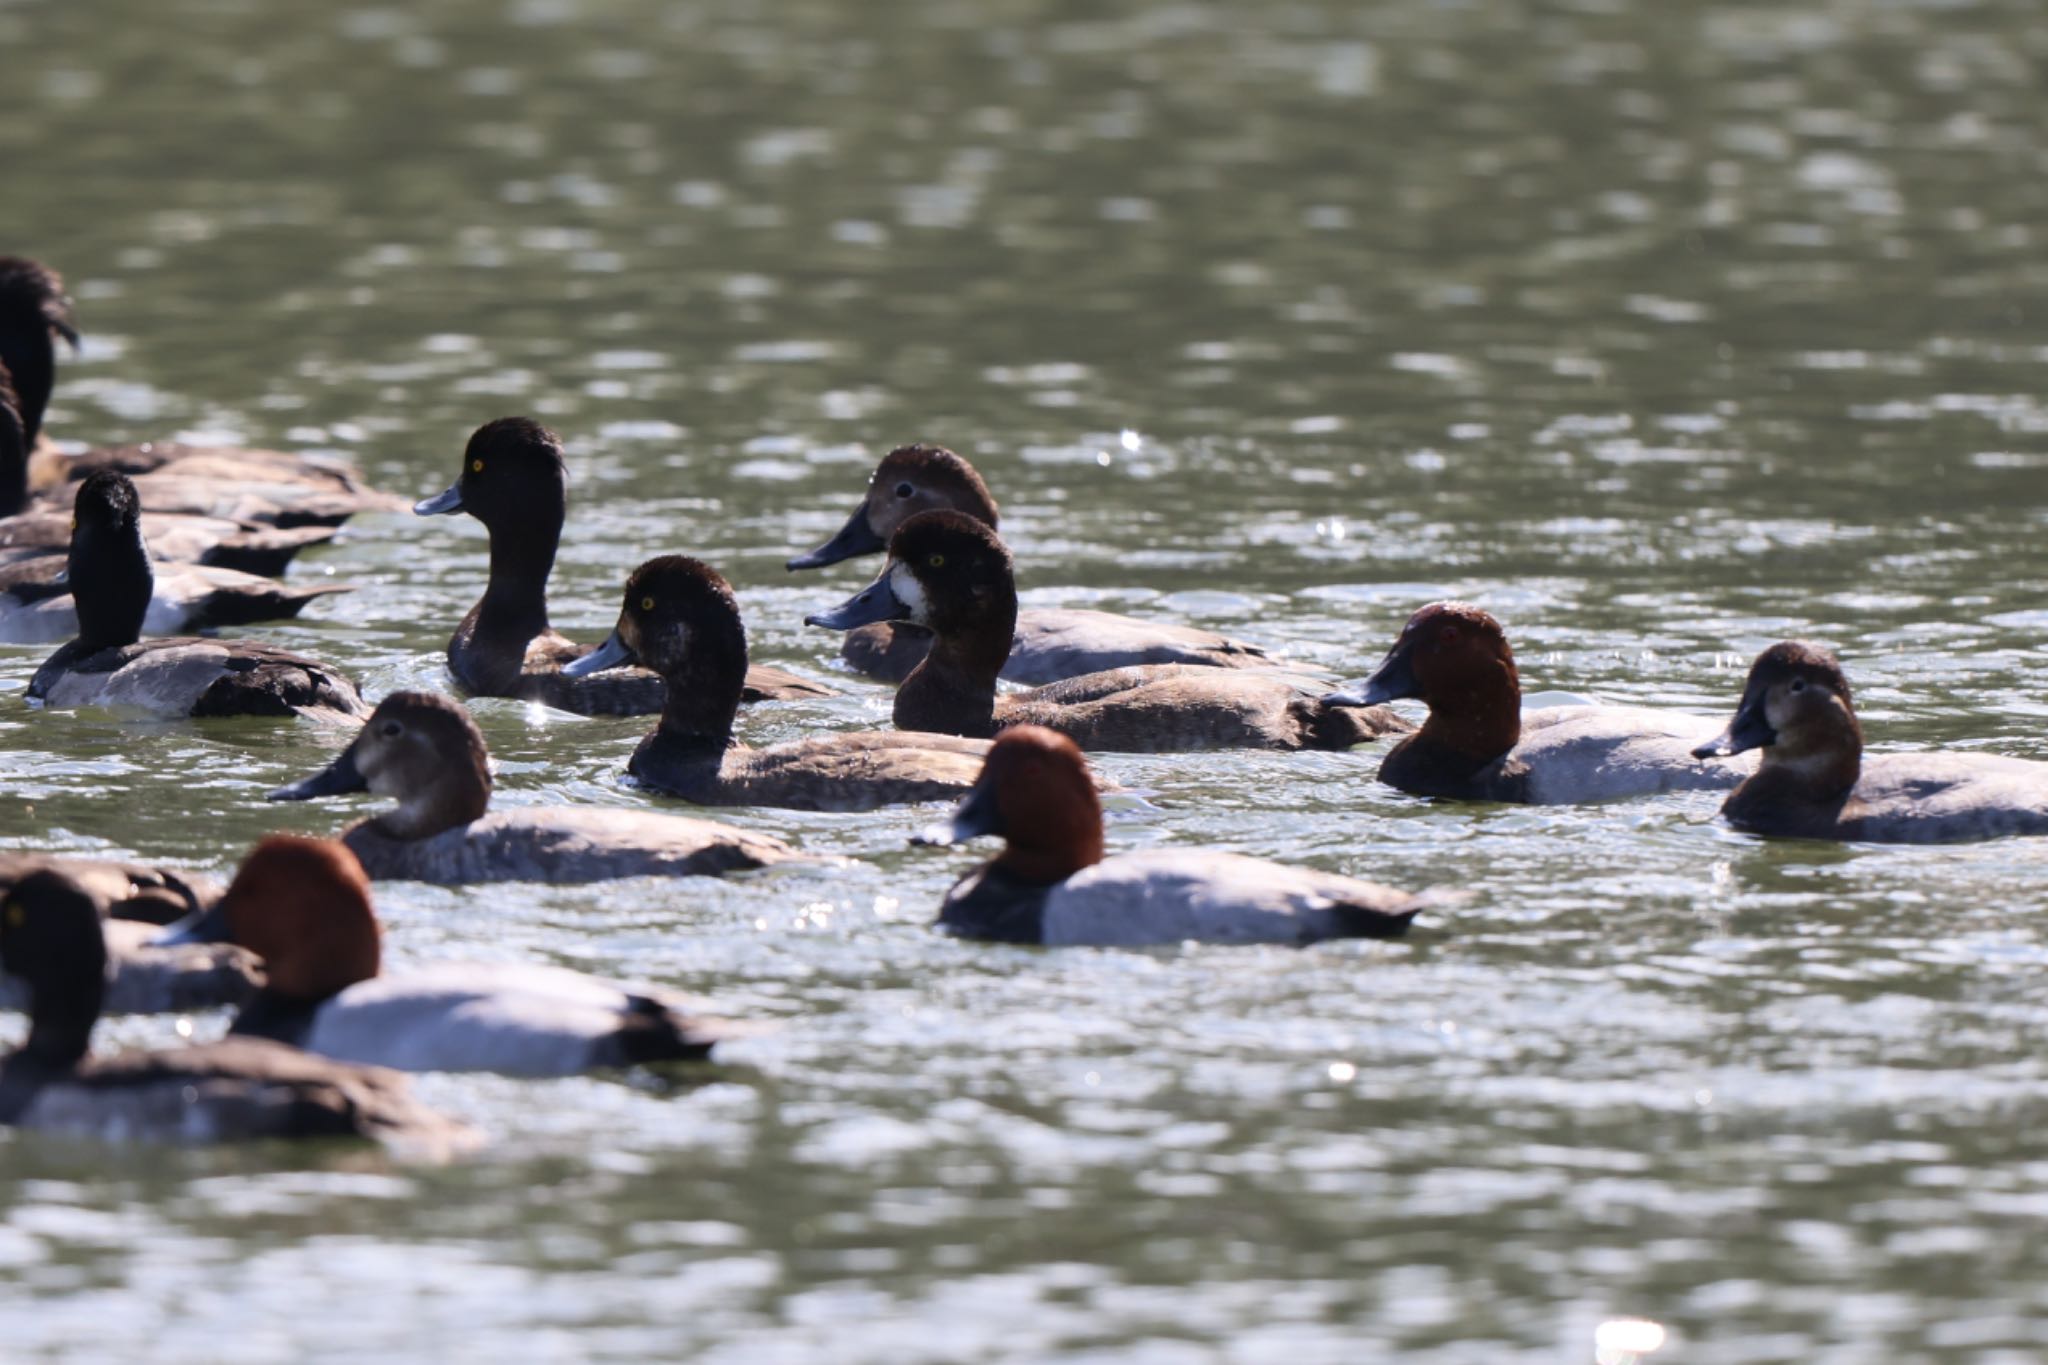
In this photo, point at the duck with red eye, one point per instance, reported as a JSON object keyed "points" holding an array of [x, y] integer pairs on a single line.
{"points": [[1052, 885], [109, 664], [950, 574], [238, 1089], [680, 619], [1479, 745], [425, 751], [1817, 783], [303, 906], [514, 481], [265, 486], [1051, 643]]}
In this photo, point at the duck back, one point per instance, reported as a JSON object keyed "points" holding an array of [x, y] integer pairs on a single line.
{"points": [[195, 677], [1171, 708], [845, 772], [564, 844], [1923, 798]]}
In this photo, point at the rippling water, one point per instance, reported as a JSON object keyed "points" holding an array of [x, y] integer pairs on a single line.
{"points": [[1661, 330]]}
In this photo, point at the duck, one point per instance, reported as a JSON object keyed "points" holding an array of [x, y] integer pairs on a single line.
{"points": [[1478, 744], [1815, 781], [1051, 884], [514, 481], [238, 1089], [680, 619], [424, 749], [952, 574], [134, 901], [109, 664], [303, 906], [1051, 643], [265, 486]]}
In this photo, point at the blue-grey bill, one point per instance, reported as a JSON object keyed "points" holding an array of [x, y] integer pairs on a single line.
{"points": [[613, 653]]}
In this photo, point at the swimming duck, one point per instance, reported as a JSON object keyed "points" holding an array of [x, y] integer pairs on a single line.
{"points": [[514, 482], [303, 906], [680, 618], [236, 1089], [136, 891], [425, 750], [109, 664], [1817, 783], [1479, 745], [1051, 642], [255, 485], [1052, 885], [951, 574]]}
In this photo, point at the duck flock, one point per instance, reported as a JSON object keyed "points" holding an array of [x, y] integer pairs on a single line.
{"points": [[122, 554]]}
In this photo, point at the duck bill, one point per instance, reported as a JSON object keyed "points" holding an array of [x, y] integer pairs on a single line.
{"points": [[854, 538], [63, 328], [613, 653], [201, 926], [976, 816], [876, 602], [1393, 680], [336, 779], [441, 504], [1749, 730]]}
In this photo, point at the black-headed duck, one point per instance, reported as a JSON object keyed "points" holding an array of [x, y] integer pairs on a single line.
{"points": [[1816, 782], [951, 574], [234, 1090], [109, 664], [514, 481], [303, 906], [424, 750], [1051, 884], [1479, 745], [680, 618], [1051, 643]]}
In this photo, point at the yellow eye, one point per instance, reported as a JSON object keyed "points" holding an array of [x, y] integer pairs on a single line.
{"points": [[476, 466], [16, 916], [647, 604], [74, 523], [937, 561]]}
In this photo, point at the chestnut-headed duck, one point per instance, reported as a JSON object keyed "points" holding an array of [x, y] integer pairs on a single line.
{"points": [[265, 486], [424, 750], [1479, 745], [135, 900], [109, 664], [1816, 782], [303, 906], [233, 1090], [1051, 643], [952, 575], [1051, 884], [513, 481], [681, 620]]}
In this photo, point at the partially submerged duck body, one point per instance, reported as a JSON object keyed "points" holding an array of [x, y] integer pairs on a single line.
{"points": [[37, 608], [1816, 782], [1049, 643]]}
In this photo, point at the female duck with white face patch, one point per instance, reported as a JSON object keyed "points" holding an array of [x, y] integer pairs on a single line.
{"points": [[1051, 642], [1817, 783], [952, 575], [681, 620]]}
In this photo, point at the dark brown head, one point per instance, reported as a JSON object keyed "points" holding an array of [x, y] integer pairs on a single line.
{"points": [[50, 937], [910, 479], [946, 572], [1796, 705], [33, 313], [1036, 792], [422, 750], [303, 906], [108, 569], [513, 479]]}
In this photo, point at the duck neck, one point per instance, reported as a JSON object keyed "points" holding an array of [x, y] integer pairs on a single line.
{"points": [[61, 1017], [30, 356], [515, 601], [953, 692], [702, 689], [1477, 718], [458, 796], [111, 584], [1817, 764], [1067, 838]]}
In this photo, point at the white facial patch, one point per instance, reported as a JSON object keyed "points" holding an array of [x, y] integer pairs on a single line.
{"points": [[909, 592]]}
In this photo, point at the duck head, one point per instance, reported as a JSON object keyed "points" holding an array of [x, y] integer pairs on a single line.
{"points": [[1796, 707], [50, 937], [1036, 792], [34, 312], [513, 475], [1455, 659], [303, 906], [422, 750], [946, 572], [108, 570], [680, 619], [910, 479]]}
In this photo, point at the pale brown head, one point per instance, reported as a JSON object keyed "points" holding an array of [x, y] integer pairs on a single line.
{"points": [[1797, 706], [422, 750], [910, 479]]}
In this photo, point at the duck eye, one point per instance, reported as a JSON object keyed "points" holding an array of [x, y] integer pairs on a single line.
{"points": [[391, 729], [16, 916], [904, 490], [647, 604], [1799, 684], [476, 466], [937, 561]]}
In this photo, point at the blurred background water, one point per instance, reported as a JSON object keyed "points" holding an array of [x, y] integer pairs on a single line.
{"points": [[1662, 330]]}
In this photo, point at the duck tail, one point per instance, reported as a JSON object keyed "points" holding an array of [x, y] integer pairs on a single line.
{"points": [[654, 1032], [1340, 727]]}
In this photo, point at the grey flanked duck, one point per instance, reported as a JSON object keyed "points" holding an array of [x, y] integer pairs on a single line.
{"points": [[680, 618], [1051, 884], [303, 905], [1051, 643], [1817, 783], [237, 1089], [265, 486], [513, 481], [951, 574], [1480, 745], [423, 750], [109, 664]]}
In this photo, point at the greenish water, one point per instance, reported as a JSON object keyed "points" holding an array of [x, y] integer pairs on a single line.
{"points": [[1660, 330]]}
